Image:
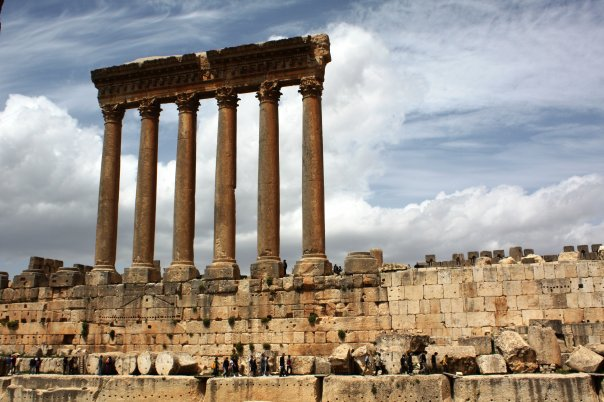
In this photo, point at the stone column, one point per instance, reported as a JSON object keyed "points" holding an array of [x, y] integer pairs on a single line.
{"points": [[143, 269], [224, 265], [104, 272], [183, 268], [314, 261], [268, 263]]}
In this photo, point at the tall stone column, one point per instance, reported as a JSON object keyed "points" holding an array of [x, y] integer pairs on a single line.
{"points": [[143, 269], [224, 265], [314, 261], [183, 268], [268, 263], [104, 272]]}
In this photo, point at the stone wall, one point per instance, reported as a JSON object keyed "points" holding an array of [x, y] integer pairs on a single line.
{"points": [[210, 318], [434, 388]]}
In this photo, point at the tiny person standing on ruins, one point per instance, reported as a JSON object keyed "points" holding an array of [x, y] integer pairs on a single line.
{"points": [[282, 365]]}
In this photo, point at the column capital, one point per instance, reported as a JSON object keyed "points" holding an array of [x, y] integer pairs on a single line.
{"points": [[149, 108], [310, 86], [113, 113], [226, 97], [187, 102], [269, 92]]}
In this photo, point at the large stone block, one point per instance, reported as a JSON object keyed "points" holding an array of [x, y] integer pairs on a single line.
{"points": [[545, 343], [482, 344], [533, 387], [30, 279], [312, 267], [491, 364], [66, 277], [360, 262], [180, 273], [519, 356], [141, 275], [585, 360], [286, 389], [341, 360], [420, 388]]}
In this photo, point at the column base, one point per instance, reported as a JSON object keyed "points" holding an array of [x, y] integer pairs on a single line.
{"points": [[313, 266], [180, 273], [267, 269], [222, 270], [142, 275], [103, 276]]}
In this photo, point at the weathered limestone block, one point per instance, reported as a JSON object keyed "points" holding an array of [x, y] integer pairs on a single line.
{"points": [[387, 388], [322, 366], [168, 363], [585, 360], [459, 358], [508, 261], [304, 388], [491, 364], [568, 256], [546, 345], [358, 355], [483, 262], [482, 344], [533, 387], [66, 277], [142, 275], [303, 365], [340, 359], [360, 262], [596, 347], [378, 254], [126, 364], [518, 355]]}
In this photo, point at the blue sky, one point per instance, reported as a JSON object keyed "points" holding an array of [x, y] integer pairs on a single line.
{"points": [[449, 126]]}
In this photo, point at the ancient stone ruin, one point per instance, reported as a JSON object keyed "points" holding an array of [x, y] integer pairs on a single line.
{"points": [[487, 313]]}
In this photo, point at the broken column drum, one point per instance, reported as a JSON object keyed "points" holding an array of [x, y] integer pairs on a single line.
{"points": [[186, 80]]}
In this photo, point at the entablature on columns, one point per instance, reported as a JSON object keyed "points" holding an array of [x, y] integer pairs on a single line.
{"points": [[243, 68]]}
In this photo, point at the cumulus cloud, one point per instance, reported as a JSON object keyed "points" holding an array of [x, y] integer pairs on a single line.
{"points": [[49, 175]]}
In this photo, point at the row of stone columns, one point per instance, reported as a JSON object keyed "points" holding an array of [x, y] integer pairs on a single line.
{"points": [[224, 265]]}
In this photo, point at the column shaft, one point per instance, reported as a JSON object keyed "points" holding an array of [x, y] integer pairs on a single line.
{"points": [[313, 198], [226, 177], [268, 261], [146, 186], [184, 189], [268, 174], [109, 189]]}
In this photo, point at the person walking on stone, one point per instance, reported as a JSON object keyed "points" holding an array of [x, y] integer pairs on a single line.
{"points": [[409, 363], [262, 365], [403, 364], [433, 362], [285, 267], [282, 365], [378, 364], [225, 367], [100, 367], [65, 364], [32, 365], [289, 369], [38, 364], [422, 362], [215, 365]]}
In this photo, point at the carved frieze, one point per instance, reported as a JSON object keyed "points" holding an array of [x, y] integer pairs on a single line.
{"points": [[243, 68]]}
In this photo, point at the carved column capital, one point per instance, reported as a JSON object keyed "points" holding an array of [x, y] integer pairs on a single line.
{"points": [[113, 113], [226, 97], [187, 102], [310, 86], [149, 108], [269, 92]]}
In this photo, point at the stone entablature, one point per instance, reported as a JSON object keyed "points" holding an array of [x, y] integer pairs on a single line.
{"points": [[241, 67]]}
